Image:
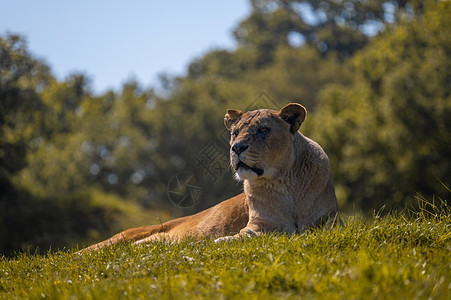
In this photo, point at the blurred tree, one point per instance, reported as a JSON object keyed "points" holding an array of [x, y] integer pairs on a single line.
{"points": [[20, 79], [339, 27], [42, 202], [388, 136], [299, 75], [54, 158]]}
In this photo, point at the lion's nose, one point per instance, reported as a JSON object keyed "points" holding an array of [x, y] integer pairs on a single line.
{"points": [[239, 148]]}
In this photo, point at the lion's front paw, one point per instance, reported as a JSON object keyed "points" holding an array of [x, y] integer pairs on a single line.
{"points": [[244, 233], [227, 238]]}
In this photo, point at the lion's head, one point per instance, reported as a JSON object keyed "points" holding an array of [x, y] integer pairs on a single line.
{"points": [[261, 140]]}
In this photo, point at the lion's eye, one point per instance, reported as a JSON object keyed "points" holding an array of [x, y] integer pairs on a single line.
{"points": [[264, 130]]}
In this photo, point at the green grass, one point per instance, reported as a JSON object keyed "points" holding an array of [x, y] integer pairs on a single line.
{"points": [[393, 257]]}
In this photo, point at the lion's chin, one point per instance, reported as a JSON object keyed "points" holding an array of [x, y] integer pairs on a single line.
{"points": [[243, 171]]}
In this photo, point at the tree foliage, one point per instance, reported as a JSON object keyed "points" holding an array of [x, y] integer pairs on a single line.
{"points": [[388, 134]]}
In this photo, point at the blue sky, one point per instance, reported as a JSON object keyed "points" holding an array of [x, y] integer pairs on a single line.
{"points": [[112, 41]]}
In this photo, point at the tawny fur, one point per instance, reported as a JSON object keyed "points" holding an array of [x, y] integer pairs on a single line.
{"points": [[287, 182]]}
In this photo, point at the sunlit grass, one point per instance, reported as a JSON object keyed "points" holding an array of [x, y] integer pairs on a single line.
{"points": [[399, 256]]}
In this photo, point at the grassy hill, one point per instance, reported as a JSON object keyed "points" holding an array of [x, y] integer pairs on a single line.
{"points": [[396, 256]]}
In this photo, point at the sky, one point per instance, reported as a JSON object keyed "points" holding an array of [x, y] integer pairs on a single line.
{"points": [[112, 41]]}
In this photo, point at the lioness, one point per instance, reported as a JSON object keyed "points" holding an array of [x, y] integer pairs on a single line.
{"points": [[287, 183]]}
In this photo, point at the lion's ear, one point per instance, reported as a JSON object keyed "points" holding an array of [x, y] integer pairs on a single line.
{"points": [[231, 118], [294, 114]]}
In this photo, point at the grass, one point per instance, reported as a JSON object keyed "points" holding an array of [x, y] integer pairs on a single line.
{"points": [[394, 257]]}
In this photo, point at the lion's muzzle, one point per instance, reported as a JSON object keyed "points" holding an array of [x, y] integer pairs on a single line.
{"points": [[238, 161]]}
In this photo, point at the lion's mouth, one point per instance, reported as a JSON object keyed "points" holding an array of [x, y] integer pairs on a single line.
{"points": [[243, 166]]}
